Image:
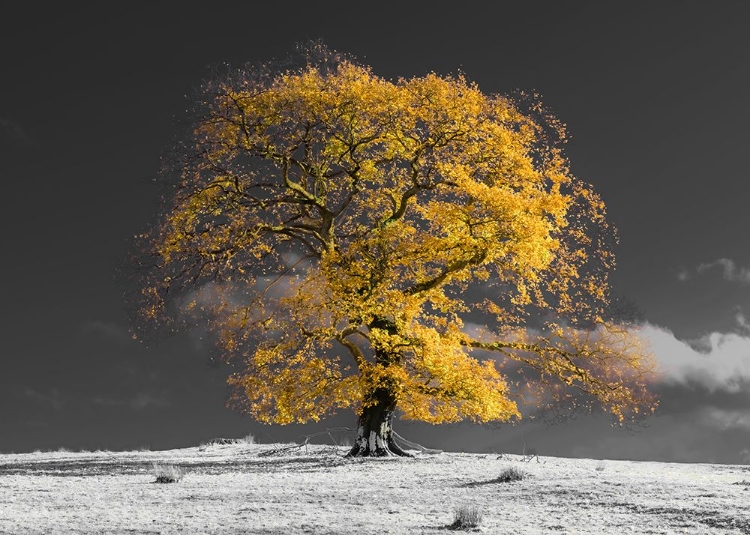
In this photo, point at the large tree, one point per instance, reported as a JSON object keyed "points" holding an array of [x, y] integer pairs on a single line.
{"points": [[381, 245]]}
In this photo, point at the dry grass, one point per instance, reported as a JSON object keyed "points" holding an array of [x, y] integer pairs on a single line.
{"points": [[167, 473], [466, 517], [511, 474]]}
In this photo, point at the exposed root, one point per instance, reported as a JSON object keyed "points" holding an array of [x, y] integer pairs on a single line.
{"points": [[388, 448]]}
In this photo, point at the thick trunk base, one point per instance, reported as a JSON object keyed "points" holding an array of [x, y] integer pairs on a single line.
{"points": [[376, 445], [375, 426], [375, 435]]}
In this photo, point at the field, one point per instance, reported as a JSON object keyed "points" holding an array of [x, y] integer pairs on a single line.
{"points": [[292, 489]]}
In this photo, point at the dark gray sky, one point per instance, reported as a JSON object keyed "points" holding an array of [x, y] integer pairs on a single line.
{"points": [[654, 95]]}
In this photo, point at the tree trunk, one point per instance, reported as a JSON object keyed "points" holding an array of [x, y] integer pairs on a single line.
{"points": [[375, 429], [375, 426]]}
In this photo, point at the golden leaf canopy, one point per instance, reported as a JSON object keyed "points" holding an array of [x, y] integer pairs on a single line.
{"points": [[342, 233]]}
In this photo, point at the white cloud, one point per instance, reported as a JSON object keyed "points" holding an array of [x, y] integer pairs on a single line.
{"points": [[718, 361], [730, 270]]}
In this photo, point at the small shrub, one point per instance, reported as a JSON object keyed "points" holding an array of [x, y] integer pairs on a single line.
{"points": [[167, 473], [466, 517], [511, 474], [508, 475], [249, 439]]}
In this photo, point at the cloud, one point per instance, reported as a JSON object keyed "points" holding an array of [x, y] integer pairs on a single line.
{"points": [[742, 322], [725, 419], [717, 361], [730, 270], [703, 415], [697, 421]]}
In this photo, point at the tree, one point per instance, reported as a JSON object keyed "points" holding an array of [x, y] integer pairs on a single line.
{"points": [[360, 243]]}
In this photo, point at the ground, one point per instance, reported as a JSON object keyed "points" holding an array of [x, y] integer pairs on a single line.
{"points": [[291, 489]]}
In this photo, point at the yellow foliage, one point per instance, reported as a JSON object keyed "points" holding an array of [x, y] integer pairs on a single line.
{"points": [[347, 223]]}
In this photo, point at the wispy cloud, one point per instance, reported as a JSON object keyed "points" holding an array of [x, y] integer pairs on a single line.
{"points": [[730, 271], [726, 419], [742, 323], [51, 398]]}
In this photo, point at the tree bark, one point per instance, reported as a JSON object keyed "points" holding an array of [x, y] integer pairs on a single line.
{"points": [[375, 426], [375, 429]]}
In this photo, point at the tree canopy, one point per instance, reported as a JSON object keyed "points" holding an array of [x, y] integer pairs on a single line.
{"points": [[355, 241]]}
